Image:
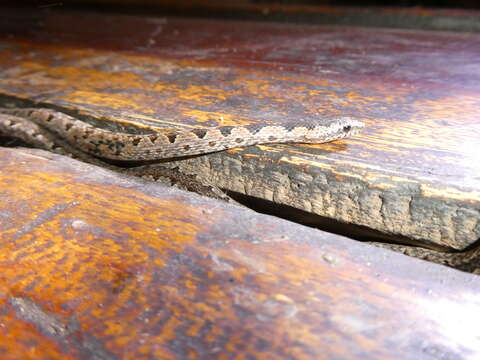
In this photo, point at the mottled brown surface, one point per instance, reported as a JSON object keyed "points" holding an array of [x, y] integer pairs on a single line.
{"points": [[95, 265], [413, 171]]}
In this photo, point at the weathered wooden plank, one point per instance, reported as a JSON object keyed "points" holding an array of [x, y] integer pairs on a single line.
{"points": [[413, 172], [99, 265]]}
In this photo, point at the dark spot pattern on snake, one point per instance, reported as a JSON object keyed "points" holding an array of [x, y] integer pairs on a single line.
{"points": [[200, 133], [171, 137]]}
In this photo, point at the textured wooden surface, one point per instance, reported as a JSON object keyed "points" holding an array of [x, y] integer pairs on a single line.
{"points": [[413, 171], [95, 265]]}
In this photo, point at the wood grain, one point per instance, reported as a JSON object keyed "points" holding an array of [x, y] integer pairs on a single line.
{"points": [[99, 265], [413, 171]]}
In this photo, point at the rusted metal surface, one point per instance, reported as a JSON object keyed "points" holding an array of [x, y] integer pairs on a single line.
{"points": [[96, 265], [413, 171]]}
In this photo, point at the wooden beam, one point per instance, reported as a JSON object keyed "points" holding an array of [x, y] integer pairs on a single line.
{"points": [[412, 172], [96, 264]]}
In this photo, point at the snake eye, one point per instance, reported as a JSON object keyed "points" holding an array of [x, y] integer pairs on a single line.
{"points": [[347, 128]]}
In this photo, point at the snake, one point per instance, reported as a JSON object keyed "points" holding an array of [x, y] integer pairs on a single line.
{"points": [[61, 133], [52, 129]]}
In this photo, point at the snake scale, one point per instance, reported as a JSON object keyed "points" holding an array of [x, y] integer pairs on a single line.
{"points": [[39, 125]]}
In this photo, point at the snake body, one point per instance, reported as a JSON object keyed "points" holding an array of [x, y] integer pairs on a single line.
{"points": [[49, 125]]}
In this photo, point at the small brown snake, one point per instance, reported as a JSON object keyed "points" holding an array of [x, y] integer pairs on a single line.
{"points": [[60, 133], [50, 129]]}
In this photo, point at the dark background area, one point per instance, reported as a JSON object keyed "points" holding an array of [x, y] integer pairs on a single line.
{"points": [[396, 3], [441, 15], [473, 4], [464, 4]]}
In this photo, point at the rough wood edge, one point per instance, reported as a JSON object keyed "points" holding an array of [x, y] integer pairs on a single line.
{"points": [[407, 211]]}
